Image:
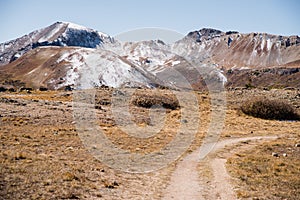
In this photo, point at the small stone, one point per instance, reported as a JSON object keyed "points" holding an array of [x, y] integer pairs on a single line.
{"points": [[69, 148], [115, 183], [297, 145], [284, 155], [47, 182], [184, 121], [275, 154], [98, 107], [109, 186]]}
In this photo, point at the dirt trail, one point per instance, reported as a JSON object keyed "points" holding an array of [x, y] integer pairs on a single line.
{"points": [[186, 183]]}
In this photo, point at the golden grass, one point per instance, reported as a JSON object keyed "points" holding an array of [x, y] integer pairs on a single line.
{"points": [[149, 99], [49, 160], [41, 95], [263, 176]]}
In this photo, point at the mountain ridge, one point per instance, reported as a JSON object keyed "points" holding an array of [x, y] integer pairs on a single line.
{"points": [[63, 53], [57, 34]]}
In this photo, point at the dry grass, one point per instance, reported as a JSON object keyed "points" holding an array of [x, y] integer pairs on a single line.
{"points": [[41, 95], [265, 108], [42, 156], [154, 99], [263, 176]]}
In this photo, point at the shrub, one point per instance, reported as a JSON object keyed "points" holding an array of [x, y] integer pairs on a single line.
{"points": [[270, 109], [147, 100]]}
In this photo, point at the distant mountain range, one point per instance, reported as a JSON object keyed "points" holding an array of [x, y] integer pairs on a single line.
{"points": [[68, 55]]}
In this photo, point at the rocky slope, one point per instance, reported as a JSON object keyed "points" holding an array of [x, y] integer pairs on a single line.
{"points": [[233, 50], [66, 54], [55, 67]]}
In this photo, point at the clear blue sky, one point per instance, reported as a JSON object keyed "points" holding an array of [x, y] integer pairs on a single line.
{"points": [[19, 17]]}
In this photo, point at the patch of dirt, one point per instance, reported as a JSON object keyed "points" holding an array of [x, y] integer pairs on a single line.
{"points": [[189, 181]]}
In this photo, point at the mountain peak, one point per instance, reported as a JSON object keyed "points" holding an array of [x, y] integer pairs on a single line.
{"points": [[70, 25], [57, 34], [207, 33], [74, 26]]}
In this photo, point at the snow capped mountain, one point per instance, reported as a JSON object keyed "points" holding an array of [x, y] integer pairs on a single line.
{"points": [[81, 68], [233, 50], [57, 34], [66, 54], [152, 56]]}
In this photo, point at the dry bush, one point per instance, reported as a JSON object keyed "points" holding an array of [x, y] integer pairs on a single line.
{"points": [[270, 109], [147, 100]]}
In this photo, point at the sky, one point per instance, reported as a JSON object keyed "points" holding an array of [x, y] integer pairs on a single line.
{"points": [[20, 17]]}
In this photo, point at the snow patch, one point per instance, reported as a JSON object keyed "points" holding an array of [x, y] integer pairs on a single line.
{"points": [[32, 71], [176, 62], [222, 77], [76, 61], [244, 68], [17, 55], [110, 71], [173, 62], [269, 44], [63, 56], [76, 26], [103, 35], [90, 68], [262, 45], [278, 44], [156, 69], [51, 33], [202, 46]]}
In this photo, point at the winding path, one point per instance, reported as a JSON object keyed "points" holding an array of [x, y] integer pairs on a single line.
{"points": [[187, 182]]}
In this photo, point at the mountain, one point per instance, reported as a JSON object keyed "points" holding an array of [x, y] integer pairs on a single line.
{"points": [[233, 50], [57, 34], [65, 54]]}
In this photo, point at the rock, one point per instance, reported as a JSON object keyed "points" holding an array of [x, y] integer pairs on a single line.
{"points": [[20, 156], [69, 148], [28, 90], [115, 183], [68, 88], [284, 155], [297, 145], [112, 185], [184, 121], [98, 107], [43, 89], [275, 154], [11, 90], [3, 89], [118, 92]]}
